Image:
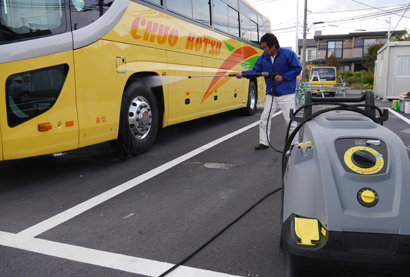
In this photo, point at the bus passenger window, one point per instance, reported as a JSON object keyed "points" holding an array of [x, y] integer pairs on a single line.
{"points": [[26, 19], [232, 3], [254, 32], [181, 6], [85, 12], [158, 2], [31, 93], [245, 28], [262, 30], [233, 22], [220, 15], [201, 11]]}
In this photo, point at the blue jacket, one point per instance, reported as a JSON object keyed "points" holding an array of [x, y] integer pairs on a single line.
{"points": [[286, 63]]}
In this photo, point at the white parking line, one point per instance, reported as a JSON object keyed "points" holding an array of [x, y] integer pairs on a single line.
{"points": [[101, 258], [399, 115], [25, 240], [84, 206]]}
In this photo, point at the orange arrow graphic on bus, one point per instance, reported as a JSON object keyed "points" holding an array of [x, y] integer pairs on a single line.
{"points": [[236, 57]]}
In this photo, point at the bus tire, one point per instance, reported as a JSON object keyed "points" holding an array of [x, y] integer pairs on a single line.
{"points": [[251, 106], [139, 120]]}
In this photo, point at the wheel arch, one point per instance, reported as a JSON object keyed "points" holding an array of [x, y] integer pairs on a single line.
{"points": [[158, 92]]}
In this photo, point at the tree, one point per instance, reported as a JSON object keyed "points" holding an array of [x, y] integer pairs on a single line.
{"points": [[371, 56], [332, 61], [403, 36]]}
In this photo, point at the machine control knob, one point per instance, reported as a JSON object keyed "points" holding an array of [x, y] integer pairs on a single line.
{"points": [[368, 196], [363, 159]]}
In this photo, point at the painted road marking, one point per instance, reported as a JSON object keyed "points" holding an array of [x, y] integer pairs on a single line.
{"points": [[399, 116], [101, 258], [101, 198], [25, 240]]}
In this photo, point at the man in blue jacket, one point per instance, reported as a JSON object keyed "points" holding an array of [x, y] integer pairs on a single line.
{"points": [[286, 63]]}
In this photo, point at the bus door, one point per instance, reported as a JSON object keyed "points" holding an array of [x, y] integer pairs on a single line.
{"points": [[37, 105]]}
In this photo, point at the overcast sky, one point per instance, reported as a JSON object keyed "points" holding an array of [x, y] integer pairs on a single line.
{"points": [[339, 16]]}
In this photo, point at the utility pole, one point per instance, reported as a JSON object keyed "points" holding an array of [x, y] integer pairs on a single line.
{"points": [[388, 35], [304, 45], [297, 24]]}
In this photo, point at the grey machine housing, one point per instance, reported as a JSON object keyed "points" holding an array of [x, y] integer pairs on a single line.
{"points": [[345, 151]]}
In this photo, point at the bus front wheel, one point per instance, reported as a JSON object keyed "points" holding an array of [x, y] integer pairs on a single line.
{"points": [[251, 106], [138, 120]]}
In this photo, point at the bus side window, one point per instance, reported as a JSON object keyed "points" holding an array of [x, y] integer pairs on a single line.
{"points": [[233, 16], [85, 12], [220, 16], [31, 93], [201, 11]]}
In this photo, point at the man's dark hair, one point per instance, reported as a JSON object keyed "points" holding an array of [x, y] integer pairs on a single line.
{"points": [[270, 40]]}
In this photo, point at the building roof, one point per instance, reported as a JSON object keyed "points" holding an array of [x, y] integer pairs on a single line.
{"points": [[310, 42], [357, 34]]}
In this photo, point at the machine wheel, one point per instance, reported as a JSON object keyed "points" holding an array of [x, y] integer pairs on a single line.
{"points": [[138, 120], [332, 94], [251, 107]]}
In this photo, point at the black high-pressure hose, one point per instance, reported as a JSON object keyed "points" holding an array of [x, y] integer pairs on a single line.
{"points": [[272, 75], [218, 234], [259, 74], [270, 109], [289, 139], [341, 106]]}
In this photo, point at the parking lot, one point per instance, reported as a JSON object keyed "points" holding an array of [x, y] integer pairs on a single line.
{"points": [[92, 212]]}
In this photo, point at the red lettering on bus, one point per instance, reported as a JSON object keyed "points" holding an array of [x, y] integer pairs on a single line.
{"points": [[198, 44], [150, 31], [218, 48], [212, 51], [173, 37], [135, 25], [162, 34], [206, 41], [190, 41]]}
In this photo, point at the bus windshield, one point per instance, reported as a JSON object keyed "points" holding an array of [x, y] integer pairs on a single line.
{"points": [[27, 19]]}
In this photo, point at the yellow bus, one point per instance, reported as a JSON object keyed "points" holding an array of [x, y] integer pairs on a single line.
{"points": [[323, 78], [75, 73]]}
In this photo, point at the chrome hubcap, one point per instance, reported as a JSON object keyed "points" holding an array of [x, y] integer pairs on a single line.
{"points": [[252, 95], [139, 117]]}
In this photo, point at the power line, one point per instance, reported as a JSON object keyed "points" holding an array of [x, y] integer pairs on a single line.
{"points": [[358, 18], [358, 10], [375, 7], [401, 17], [365, 16]]}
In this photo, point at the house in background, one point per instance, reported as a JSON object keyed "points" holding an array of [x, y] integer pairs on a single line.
{"points": [[349, 49], [311, 49]]}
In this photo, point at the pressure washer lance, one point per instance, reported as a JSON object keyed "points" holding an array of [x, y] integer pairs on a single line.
{"points": [[265, 74]]}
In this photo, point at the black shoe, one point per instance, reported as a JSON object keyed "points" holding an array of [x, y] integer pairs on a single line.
{"points": [[261, 147]]}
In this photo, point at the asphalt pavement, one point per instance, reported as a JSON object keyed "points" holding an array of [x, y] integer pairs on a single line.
{"points": [[92, 212]]}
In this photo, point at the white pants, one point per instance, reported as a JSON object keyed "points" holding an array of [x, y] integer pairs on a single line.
{"points": [[285, 103]]}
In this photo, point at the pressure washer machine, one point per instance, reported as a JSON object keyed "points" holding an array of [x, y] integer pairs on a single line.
{"points": [[346, 192]]}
